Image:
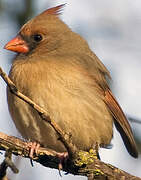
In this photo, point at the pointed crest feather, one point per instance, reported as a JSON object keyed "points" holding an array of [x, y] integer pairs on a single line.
{"points": [[54, 11]]}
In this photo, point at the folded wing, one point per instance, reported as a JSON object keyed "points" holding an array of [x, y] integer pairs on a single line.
{"points": [[121, 123]]}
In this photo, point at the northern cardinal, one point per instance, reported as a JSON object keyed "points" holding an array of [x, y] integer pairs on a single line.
{"points": [[56, 69]]}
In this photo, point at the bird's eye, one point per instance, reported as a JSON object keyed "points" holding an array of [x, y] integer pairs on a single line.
{"points": [[37, 37]]}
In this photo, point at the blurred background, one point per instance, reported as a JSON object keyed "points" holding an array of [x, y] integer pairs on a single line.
{"points": [[112, 29]]}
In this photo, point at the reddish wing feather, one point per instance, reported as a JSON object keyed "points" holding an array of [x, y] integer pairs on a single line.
{"points": [[117, 111], [121, 123]]}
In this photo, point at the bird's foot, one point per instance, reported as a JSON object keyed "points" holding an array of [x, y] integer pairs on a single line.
{"points": [[62, 158], [33, 148]]}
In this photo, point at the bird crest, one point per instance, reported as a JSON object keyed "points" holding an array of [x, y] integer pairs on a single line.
{"points": [[54, 10]]}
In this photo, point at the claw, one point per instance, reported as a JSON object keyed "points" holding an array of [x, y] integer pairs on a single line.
{"points": [[62, 157], [33, 148]]}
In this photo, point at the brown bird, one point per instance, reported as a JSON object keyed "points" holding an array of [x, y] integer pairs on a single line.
{"points": [[56, 69]]}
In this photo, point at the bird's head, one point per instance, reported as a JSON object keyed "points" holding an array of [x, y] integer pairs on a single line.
{"points": [[44, 33]]}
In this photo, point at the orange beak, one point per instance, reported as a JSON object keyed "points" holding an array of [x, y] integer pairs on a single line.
{"points": [[17, 44]]}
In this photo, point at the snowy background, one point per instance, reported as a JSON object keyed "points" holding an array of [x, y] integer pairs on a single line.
{"points": [[112, 29]]}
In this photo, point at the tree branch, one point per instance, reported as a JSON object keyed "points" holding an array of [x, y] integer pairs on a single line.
{"points": [[79, 162], [85, 163]]}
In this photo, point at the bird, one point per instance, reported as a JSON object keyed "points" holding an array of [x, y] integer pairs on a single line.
{"points": [[56, 68]]}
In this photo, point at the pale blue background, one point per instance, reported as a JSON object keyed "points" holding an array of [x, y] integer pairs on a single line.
{"points": [[113, 30]]}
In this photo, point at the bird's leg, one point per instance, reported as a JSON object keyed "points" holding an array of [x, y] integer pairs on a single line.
{"points": [[33, 148], [62, 158], [96, 150]]}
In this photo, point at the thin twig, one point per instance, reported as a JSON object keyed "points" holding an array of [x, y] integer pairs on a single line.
{"points": [[134, 120]]}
